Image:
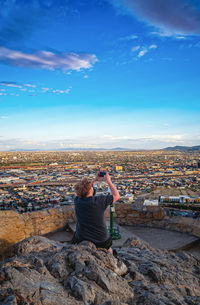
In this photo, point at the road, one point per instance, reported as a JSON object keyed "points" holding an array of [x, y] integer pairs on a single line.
{"points": [[72, 180]]}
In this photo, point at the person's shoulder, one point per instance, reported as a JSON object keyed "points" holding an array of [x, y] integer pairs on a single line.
{"points": [[104, 200], [77, 199], [100, 198]]}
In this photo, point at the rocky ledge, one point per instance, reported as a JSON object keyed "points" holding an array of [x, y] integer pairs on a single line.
{"points": [[39, 271]]}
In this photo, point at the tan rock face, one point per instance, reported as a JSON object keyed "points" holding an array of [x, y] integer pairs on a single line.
{"points": [[15, 227]]}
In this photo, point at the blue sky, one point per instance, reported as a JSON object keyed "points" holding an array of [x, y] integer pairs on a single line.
{"points": [[120, 73]]}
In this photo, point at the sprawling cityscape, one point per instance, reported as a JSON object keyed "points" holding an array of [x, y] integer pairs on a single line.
{"points": [[31, 181], [89, 86]]}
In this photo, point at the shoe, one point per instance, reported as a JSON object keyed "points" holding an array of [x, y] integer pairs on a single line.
{"points": [[115, 252]]}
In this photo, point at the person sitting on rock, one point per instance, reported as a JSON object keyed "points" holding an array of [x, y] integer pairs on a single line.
{"points": [[89, 209]]}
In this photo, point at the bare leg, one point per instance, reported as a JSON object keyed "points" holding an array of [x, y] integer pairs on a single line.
{"points": [[110, 250]]}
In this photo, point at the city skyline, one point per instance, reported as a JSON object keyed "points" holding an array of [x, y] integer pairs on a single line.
{"points": [[99, 74]]}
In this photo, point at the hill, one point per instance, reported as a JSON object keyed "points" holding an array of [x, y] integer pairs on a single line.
{"points": [[184, 148]]}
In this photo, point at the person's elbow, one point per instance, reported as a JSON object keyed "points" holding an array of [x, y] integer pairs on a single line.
{"points": [[116, 198]]}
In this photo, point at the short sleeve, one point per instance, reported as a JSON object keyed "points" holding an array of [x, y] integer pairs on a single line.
{"points": [[108, 200]]}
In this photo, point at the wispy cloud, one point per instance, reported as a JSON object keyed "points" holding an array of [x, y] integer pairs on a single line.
{"points": [[30, 85], [143, 50], [47, 60], [173, 17], [31, 88], [10, 84], [61, 91], [129, 37], [134, 49], [153, 46], [168, 35]]}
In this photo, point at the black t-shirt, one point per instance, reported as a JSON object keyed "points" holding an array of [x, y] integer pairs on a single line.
{"points": [[91, 224]]}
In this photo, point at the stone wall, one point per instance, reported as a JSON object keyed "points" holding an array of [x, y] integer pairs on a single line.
{"points": [[128, 214], [179, 224], [15, 227], [155, 217]]}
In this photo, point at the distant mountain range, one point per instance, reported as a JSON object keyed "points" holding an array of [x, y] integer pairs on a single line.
{"points": [[179, 148], [184, 148]]}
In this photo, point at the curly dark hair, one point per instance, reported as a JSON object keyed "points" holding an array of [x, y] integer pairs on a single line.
{"points": [[83, 187]]}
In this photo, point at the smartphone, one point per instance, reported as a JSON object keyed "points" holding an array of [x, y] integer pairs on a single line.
{"points": [[102, 174]]}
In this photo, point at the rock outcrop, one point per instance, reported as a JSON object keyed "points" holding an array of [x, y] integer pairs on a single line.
{"points": [[39, 271]]}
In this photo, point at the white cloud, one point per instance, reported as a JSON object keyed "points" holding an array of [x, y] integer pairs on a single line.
{"points": [[142, 53], [114, 138], [155, 141], [129, 37], [167, 35], [10, 84], [180, 37], [66, 91], [178, 138], [47, 60], [29, 85], [134, 49], [153, 46], [144, 50]]}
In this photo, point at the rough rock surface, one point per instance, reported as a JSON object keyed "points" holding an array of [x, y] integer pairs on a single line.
{"points": [[39, 271]]}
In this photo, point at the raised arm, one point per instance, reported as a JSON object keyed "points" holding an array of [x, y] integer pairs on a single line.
{"points": [[97, 178], [113, 189]]}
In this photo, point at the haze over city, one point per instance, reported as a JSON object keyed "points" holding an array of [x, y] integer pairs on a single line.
{"points": [[99, 74]]}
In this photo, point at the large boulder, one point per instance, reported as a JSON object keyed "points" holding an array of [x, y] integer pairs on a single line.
{"points": [[41, 271]]}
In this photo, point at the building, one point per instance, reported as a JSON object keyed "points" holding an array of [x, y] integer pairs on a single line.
{"points": [[118, 168], [151, 202]]}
